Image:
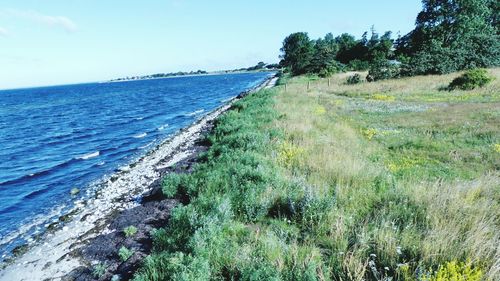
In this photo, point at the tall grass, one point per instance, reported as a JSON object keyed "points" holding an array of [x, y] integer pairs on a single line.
{"points": [[336, 183], [415, 179]]}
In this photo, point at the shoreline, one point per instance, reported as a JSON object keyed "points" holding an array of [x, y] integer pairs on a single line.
{"points": [[53, 256], [187, 75]]}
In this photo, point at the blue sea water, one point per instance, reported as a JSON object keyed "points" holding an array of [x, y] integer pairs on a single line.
{"points": [[53, 139]]}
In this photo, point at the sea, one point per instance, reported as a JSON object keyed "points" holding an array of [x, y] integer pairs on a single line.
{"points": [[55, 142]]}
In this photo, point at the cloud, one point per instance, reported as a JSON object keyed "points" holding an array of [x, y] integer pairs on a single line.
{"points": [[51, 21], [3, 32]]}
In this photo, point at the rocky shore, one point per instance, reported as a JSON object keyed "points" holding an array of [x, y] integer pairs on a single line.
{"points": [[85, 245]]}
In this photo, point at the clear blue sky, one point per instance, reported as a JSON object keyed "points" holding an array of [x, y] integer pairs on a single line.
{"points": [[47, 42]]}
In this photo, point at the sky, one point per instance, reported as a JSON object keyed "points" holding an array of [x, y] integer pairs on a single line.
{"points": [[52, 42]]}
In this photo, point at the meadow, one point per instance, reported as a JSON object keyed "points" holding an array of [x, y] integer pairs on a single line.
{"points": [[316, 179]]}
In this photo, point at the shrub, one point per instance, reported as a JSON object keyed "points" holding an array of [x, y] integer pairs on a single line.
{"points": [[327, 72], [471, 79], [383, 69], [355, 79], [358, 65], [125, 254], [130, 231], [99, 270]]}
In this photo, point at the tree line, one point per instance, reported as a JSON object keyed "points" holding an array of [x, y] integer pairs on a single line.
{"points": [[449, 35]]}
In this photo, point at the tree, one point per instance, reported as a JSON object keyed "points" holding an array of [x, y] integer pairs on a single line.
{"points": [[359, 54], [452, 35], [382, 49], [345, 43], [260, 65], [297, 53], [323, 61]]}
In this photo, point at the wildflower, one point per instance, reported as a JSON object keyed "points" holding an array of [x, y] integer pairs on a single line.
{"points": [[454, 270], [393, 167], [382, 97], [369, 133], [497, 147], [320, 110], [289, 154]]}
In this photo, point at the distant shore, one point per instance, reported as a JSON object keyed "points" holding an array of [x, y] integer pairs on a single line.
{"points": [[58, 253], [187, 74]]}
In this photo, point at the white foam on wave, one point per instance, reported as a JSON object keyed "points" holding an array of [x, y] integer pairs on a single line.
{"points": [[23, 231], [88, 156], [147, 145], [124, 168], [226, 100], [162, 127], [139, 118], [195, 112], [140, 136]]}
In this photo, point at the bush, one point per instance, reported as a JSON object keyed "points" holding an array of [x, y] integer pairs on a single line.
{"points": [[471, 79], [99, 270], [383, 69], [358, 65], [327, 72], [130, 231], [125, 254], [355, 79]]}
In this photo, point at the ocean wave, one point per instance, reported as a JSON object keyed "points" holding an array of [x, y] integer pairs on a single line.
{"points": [[153, 142], [33, 225], [140, 136], [195, 112], [162, 127], [88, 156], [35, 193], [39, 173], [226, 100]]}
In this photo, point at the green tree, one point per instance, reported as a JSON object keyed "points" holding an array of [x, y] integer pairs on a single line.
{"points": [[360, 54], [382, 48], [323, 61], [345, 44], [297, 53], [452, 35]]}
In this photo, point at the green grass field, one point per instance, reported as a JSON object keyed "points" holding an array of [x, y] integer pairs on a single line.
{"points": [[328, 181]]}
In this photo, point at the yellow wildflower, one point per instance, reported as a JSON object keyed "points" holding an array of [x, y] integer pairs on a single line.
{"points": [[320, 110], [382, 97], [369, 133], [497, 147], [288, 154]]}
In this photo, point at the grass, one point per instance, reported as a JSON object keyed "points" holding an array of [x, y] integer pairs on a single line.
{"points": [[394, 179]]}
